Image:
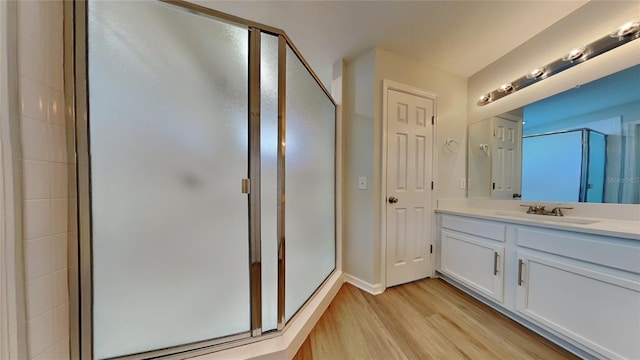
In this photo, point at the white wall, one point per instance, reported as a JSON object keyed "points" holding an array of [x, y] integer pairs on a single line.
{"points": [[479, 166], [46, 181], [363, 147], [358, 160], [450, 90], [590, 22]]}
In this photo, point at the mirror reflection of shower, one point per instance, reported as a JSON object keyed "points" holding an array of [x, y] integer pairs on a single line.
{"points": [[610, 105], [567, 166]]}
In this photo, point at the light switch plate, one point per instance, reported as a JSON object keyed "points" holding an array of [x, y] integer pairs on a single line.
{"points": [[362, 183]]}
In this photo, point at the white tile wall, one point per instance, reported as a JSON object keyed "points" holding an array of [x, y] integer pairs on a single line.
{"points": [[47, 178]]}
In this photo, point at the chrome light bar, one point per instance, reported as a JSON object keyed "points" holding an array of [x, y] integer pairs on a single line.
{"points": [[624, 34]]}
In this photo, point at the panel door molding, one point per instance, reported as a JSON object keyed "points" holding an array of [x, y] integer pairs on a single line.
{"points": [[409, 175]]}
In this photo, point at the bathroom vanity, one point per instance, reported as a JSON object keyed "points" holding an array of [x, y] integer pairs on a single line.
{"points": [[575, 281]]}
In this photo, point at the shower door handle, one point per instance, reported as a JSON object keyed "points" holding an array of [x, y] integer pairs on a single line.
{"points": [[246, 186]]}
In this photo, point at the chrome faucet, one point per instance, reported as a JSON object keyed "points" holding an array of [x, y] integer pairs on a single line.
{"points": [[541, 210], [557, 211], [536, 209]]}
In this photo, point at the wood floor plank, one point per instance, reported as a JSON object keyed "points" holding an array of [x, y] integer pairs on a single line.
{"points": [[503, 330], [305, 352], [408, 326], [426, 319]]}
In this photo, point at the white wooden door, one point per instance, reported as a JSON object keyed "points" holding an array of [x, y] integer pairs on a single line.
{"points": [[506, 163], [409, 193]]}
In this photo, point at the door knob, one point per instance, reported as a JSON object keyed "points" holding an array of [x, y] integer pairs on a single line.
{"points": [[393, 199]]}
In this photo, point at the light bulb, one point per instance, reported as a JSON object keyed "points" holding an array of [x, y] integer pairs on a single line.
{"points": [[508, 87], [574, 54], [627, 29], [485, 98], [535, 73]]}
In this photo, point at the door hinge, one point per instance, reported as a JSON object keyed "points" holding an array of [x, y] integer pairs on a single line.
{"points": [[493, 186], [430, 249], [433, 120], [432, 185]]}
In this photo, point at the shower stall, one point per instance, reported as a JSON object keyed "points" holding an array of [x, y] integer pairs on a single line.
{"points": [[206, 179], [564, 165]]}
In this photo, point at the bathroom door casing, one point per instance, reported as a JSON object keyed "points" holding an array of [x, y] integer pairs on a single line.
{"points": [[409, 187]]}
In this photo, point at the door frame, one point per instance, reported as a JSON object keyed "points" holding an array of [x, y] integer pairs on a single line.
{"points": [[392, 85], [13, 332]]}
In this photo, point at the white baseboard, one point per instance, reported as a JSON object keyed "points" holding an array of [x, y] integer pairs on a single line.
{"points": [[373, 289], [286, 345]]}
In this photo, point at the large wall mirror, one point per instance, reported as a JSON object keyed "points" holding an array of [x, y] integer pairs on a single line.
{"points": [[582, 145]]}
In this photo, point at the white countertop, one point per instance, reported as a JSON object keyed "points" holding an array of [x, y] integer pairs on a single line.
{"points": [[628, 229]]}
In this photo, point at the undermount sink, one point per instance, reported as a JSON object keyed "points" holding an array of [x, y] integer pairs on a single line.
{"points": [[547, 218]]}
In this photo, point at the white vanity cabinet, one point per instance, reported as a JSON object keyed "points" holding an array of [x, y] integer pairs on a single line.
{"points": [[582, 286], [472, 252], [579, 289]]}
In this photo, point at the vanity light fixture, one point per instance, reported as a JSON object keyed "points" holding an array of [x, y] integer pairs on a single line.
{"points": [[625, 33]]}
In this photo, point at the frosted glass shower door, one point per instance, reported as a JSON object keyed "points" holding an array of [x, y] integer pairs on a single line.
{"points": [[168, 142], [310, 186], [552, 167], [269, 179]]}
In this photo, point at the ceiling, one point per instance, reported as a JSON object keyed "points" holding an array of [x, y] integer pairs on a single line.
{"points": [[461, 37]]}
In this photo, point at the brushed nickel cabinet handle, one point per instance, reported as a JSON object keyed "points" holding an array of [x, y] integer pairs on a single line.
{"points": [[495, 263], [520, 265]]}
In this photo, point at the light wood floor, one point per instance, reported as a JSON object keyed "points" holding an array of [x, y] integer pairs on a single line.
{"points": [[427, 319]]}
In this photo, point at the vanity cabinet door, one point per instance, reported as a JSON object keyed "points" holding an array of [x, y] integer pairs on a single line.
{"points": [[593, 305], [474, 262]]}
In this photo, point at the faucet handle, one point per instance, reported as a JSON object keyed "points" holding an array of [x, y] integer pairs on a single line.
{"points": [[531, 208], [557, 211]]}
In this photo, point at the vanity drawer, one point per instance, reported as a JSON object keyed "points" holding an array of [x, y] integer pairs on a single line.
{"points": [[486, 229], [612, 252]]}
